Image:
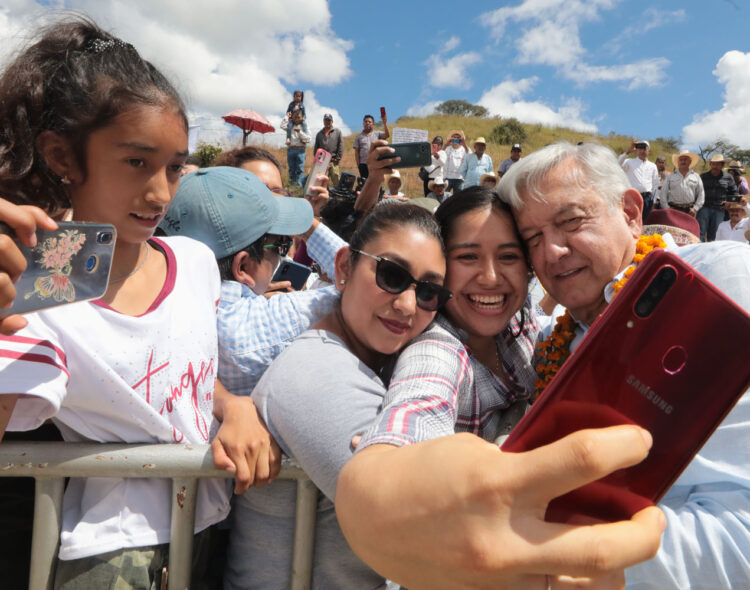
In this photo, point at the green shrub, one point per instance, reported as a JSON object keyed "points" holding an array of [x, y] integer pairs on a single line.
{"points": [[508, 132]]}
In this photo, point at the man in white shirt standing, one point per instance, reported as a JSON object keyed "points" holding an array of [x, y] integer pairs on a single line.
{"points": [[683, 189], [642, 174], [737, 225]]}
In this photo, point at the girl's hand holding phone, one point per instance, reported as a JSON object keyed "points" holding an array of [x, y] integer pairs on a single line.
{"points": [[23, 220]]}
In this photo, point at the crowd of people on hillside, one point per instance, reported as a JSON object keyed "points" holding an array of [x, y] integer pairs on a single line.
{"points": [[391, 379]]}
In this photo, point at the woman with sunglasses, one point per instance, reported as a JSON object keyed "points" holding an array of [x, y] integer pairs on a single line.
{"points": [[471, 371], [326, 388]]}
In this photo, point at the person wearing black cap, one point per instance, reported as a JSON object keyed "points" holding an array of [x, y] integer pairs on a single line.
{"points": [[642, 173], [515, 155], [329, 139]]}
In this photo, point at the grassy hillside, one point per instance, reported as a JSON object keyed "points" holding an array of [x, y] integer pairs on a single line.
{"points": [[537, 137]]}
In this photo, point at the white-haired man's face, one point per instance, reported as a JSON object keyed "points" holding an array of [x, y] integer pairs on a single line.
{"points": [[577, 243]]}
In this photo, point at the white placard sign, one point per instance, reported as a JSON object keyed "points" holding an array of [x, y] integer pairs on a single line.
{"points": [[401, 135]]}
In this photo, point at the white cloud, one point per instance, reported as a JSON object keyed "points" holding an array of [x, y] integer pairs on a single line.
{"points": [[237, 54], [422, 110], [506, 100], [652, 18], [551, 37], [450, 72], [451, 44], [732, 120]]}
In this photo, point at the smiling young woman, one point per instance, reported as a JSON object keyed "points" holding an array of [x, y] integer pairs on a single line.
{"points": [[471, 370]]}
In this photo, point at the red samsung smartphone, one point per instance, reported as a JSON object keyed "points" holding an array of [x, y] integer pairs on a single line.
{"points": [[652, 358], [382, 113]]}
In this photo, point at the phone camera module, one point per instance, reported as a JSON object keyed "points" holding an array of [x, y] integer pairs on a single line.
{"points": [[655, 292], [91, 263], [104, 237]]}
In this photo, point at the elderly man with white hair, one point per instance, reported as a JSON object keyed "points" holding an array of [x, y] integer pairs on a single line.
{"points": [[581, 220]]}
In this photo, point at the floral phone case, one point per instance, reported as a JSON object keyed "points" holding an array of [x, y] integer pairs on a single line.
{"points": [[69, 264]]}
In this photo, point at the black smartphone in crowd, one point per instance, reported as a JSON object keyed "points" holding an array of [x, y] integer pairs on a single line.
{"points": [[294, 272], [413, 155], [68, 264]]}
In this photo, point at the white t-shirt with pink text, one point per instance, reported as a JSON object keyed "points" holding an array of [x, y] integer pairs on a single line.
{"points": [[108, 377]]}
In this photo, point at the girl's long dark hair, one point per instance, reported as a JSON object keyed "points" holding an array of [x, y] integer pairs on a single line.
{"points": [[74, 79]]}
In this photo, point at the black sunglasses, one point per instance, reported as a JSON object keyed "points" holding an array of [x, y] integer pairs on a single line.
{"points": [[280, 243], [394, 279]]}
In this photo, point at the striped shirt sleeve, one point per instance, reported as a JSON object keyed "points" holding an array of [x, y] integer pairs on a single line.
{"points": [[33, 363], [422, 400]]}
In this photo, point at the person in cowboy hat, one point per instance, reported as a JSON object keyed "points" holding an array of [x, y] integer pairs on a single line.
{"points": [[719, 188], [683, 189], [477, 164], [736, 226], [489, 180], [393, 182], [437, 189], [736, 170]]}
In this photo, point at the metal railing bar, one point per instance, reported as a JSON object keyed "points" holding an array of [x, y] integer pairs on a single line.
{"points": [[45, 459], [45, 538], [50, 462], [304, 535], [184, 493]]}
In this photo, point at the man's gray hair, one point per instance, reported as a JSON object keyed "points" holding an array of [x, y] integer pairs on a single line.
{"points": [[593, 166]]}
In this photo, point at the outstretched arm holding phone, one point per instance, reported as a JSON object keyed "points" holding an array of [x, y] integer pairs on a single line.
{"points": [[458, 512]]}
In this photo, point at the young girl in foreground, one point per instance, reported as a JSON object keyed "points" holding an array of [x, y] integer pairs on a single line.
{"points": [[88, 124]]}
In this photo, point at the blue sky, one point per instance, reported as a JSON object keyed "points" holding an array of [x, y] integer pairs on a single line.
{"points": [[682, 42], [647, 69]]}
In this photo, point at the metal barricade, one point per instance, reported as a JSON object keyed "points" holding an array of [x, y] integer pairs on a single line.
{"points": [[49, 463]]}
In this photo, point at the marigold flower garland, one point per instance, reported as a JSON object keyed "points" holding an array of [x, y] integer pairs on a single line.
{"points": [[555, 350]]}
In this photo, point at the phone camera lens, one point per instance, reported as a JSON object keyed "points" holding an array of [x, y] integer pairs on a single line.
{"points": [[91, 263], [104, 237]]}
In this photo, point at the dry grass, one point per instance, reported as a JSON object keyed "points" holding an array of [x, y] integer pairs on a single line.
{"points": [[538, 136]]}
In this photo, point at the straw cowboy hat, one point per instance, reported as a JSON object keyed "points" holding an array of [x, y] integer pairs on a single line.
{"points": [[735, 165], [394, 174], [434, 181], [457, 132], [480, 140], [718, 158], [488, 176], [693, 158]]}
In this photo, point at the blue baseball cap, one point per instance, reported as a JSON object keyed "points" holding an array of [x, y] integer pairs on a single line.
{"points": [[229, 208]]}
